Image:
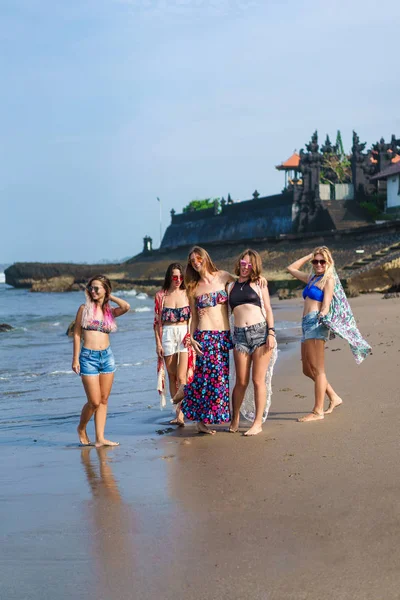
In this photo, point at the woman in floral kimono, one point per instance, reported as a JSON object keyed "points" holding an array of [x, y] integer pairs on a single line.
{"points": [[326, 313], [171, 326]]}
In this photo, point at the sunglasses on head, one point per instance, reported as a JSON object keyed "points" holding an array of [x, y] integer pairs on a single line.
{"points": [[93, 288], [177, 277], [246, 265], [318, 262]]}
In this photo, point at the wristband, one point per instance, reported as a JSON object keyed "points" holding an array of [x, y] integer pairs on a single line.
{"points": [[271, 328]]}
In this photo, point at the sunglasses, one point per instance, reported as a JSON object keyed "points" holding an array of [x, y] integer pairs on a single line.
{"points": [[93, 288], [197, 259], [177, 277], [318, 262], [246, 265]]}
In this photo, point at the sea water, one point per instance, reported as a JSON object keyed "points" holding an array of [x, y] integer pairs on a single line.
{"points": [[41, 397]]}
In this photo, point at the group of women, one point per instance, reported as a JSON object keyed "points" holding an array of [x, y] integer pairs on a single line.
{"points": [[201, 313]]}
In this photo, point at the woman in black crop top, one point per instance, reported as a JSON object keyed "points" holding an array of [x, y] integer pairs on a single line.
{"points": [[254, 343], [171, 325]]}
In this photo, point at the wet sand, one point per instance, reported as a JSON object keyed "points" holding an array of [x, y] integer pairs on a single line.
{"points": [[303, 511]]}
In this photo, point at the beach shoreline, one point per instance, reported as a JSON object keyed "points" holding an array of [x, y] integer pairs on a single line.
{"points": [[301, 511]]}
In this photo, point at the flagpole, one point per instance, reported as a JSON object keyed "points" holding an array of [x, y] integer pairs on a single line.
{"points": [[160, 219]]}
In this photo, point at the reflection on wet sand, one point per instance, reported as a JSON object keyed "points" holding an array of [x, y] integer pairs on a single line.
{"points": [[111, 527]]}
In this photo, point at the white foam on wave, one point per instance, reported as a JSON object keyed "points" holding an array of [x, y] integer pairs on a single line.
{"points": [[287, 325], [56, 324], [141, 296], [142, 309], [126, 293], [2, 278], [60, 372]]}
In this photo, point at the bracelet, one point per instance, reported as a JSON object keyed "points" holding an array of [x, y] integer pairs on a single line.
{"points": [[271, 328], [271, 334]]}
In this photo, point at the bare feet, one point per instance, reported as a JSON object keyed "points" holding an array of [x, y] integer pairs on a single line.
{"points": [[202, 428], [180, 422], [83, 437], [313, 416], [180, 394], [101, 443], [234, 426], [334, 404], [254, 430]]}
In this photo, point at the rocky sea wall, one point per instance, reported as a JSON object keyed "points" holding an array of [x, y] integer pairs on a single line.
{"points": [[146, 270]]}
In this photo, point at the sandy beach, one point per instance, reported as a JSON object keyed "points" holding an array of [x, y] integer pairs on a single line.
{"points": [[303, 511]]}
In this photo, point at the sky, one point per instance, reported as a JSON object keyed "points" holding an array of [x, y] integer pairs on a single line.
{"points": [[106, 105]]}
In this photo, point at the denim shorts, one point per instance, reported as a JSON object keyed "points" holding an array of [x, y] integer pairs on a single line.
{"points": [[248, 339], [96, 362], [312, 329]]}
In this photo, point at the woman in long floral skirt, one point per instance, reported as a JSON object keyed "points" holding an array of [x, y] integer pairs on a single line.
{"points": [[206, 399]]}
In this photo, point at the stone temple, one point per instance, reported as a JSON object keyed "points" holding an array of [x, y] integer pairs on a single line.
{"points": [[324, 190]]}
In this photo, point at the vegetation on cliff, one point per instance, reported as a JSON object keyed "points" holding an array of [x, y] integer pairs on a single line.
{"points": [[202, 205]]}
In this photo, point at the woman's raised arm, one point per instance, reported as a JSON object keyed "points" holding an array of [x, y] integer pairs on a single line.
{"points": [[123, 306], [294, 268]]}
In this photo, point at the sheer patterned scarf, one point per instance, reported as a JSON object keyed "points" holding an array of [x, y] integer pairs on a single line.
{"points": [[340, 321]]}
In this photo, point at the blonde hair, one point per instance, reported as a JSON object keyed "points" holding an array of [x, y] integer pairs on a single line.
{"points": [[192, 277], [330, 264], [256, 263]]}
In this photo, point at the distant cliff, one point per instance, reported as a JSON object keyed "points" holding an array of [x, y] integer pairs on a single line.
{"points": [[68, 277], [379, 245]]}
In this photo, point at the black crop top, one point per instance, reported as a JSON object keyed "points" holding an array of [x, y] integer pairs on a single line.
{"points": [[243, 293]]}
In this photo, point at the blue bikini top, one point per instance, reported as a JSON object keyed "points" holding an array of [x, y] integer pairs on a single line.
{"points": [[312, 291]]}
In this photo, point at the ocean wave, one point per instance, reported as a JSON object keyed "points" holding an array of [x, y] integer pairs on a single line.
{"points": [[142, 296], [142, 309], [2, 278], [60, 372], [123, 293], [282, 325], [56, 324]]}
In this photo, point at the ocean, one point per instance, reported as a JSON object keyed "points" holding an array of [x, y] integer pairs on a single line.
{"points": [[40, 396]]}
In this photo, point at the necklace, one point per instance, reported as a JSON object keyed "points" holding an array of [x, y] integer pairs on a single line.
{"points": [[242, 286]]}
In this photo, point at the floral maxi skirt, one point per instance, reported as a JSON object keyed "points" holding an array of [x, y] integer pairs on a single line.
{"points": [[207, 397]]}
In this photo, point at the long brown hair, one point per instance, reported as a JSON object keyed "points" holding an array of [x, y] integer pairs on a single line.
{"points": [[192, 277], [330, 264], [256, 263]]}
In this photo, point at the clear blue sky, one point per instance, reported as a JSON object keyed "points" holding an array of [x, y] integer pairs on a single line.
{"points": [[107, 104]]}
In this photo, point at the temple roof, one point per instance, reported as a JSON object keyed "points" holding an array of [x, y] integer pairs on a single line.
{"points": [[290, 164], [394, 169]]}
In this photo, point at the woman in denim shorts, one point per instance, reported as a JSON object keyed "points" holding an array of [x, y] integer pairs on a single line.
{"points": [[317, 300], [254, 342], [94, 362]]}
